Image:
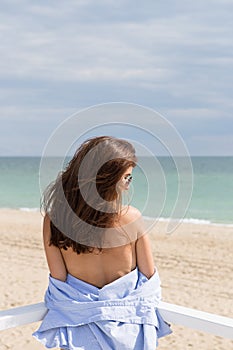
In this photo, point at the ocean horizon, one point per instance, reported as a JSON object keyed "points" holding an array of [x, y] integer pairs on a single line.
{"points": [[211, 201]]}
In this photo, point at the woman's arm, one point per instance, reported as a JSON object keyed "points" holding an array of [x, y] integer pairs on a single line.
{"points": [[145, 261], [54, 257]]}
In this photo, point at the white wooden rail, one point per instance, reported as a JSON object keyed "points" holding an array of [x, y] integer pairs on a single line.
{"points": [[175, 314]]}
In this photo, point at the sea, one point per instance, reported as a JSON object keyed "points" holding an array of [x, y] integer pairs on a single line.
{"points": [[203, 193]]}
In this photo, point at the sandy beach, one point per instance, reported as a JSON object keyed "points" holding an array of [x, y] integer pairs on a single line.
{"points": [[194, 263]]}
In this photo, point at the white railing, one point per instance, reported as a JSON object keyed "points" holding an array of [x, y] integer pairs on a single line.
{"points": [[175, 314]]}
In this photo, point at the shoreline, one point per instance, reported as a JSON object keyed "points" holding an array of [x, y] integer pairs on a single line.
{"points": [[193, 221], [195, 265]]}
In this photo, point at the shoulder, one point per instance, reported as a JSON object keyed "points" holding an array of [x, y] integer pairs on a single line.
{"points": [[131, 213], [133, 220]]}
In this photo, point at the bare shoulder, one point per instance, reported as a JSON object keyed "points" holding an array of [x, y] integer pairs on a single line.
{"points": [[131, 213], [133, 219]]}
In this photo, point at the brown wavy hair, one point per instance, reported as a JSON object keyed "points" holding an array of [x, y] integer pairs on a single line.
{"points": [[92, 196]]}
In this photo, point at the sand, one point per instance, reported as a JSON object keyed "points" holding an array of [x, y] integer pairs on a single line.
{"points": [[195, 264]]}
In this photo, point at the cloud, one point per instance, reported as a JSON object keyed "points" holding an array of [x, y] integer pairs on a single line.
{"points": [[174, 56], [145, 50]]}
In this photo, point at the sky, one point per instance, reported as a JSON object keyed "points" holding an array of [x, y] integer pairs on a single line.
{"points": [[60, 57]]}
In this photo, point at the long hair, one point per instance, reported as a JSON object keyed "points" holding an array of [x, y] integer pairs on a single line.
{"points": [[84, 198]]}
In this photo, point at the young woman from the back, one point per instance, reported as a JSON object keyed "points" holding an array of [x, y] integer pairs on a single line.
{"points": [[95, 245]]}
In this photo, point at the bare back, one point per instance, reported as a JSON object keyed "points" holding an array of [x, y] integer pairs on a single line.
{"points": [[102, 267]]}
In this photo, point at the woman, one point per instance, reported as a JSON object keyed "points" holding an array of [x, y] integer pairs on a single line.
{"points": [[103, 287]]}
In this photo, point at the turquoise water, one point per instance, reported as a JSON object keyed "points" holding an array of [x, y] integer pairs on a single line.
{"points": [[212, 196]]}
